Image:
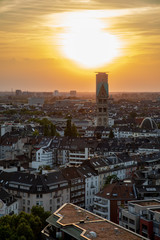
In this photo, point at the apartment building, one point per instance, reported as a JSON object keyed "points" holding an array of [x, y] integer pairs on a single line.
{"points": [[108, 200], [91, 185], [139, 217], [71, 222], [49, 190], [8, 203], [76, 184]]}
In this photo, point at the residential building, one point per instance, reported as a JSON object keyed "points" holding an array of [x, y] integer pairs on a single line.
{"points": [[77, 185], [71, 222], [138, 217], [8, 203], [91, 185], [107, 201], [48, 190]]}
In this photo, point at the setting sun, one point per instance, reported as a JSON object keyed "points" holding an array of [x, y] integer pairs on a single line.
{"points": [[86, 42]]}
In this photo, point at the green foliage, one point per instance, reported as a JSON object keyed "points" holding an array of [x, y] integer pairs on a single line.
{"points": [[49, 129], [53, 129], [133, 115], [70, 130], [23, 226], [39, 211], [24, 230], [36, 133], [74, 131], [111, 177], [46, 130], [111, 134]]}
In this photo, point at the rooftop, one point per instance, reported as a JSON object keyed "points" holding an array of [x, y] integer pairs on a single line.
{"points": [[81, 224], [148, 203]]}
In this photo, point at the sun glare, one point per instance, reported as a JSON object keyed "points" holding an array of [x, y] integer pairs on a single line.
{"points": [[86, 42]]}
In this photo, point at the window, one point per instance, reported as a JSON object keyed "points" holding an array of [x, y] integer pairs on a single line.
{"points": [[39, 195], [39, 188], [39, 203], [28, 202], [24, 201], [131, 221]]}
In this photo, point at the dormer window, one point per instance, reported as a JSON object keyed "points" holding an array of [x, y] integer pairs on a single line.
{"points": [[39, 188]]}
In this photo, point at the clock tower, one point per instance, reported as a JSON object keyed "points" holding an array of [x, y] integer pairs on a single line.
{"points": [[102, 95]]}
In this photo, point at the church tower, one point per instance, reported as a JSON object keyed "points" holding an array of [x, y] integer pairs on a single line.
{"points": [[102, 95]]}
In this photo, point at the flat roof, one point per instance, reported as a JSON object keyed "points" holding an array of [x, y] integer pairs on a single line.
{"points": [[155, 209], [147, 203], [82, 224]]}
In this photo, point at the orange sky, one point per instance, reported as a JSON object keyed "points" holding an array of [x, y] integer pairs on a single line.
{"points": [[48, 45]]}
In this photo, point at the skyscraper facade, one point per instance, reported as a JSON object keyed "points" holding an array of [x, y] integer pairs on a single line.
{"points": [[102, 94]]}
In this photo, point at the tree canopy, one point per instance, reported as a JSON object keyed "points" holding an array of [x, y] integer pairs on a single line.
{"points": [[70, 130], [24, 226], [111, 134]]}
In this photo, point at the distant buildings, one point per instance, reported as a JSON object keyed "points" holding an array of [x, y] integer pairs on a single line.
{"points": [[73, 93], [18, 92], [56, 93], [102, 98], [36, 101]]}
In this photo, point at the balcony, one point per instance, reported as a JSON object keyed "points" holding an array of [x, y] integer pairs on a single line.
{"points": [[101, 203], [101, 213]]}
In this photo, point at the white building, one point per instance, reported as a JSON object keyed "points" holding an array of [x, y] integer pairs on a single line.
{"points": [[48, 190], [91, 185], [8, 204], [44, 157]]}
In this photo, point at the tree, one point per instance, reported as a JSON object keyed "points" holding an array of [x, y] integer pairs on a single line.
{"points": [[39, 211], [53, 130], [70, 130], [133, 115], [36, 133], [111, 134], [74, 131], [111, 178], [25, 230], [23, 226], [5, 232], [46, 130]]}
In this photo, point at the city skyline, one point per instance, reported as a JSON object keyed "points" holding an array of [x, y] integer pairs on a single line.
{"points": [[46, 46]]}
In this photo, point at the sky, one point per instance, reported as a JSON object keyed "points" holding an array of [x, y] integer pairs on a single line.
{"points": [[60, 44]]}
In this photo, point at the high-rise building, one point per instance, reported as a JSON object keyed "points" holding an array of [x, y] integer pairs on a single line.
{"points": [[102, 95]]}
